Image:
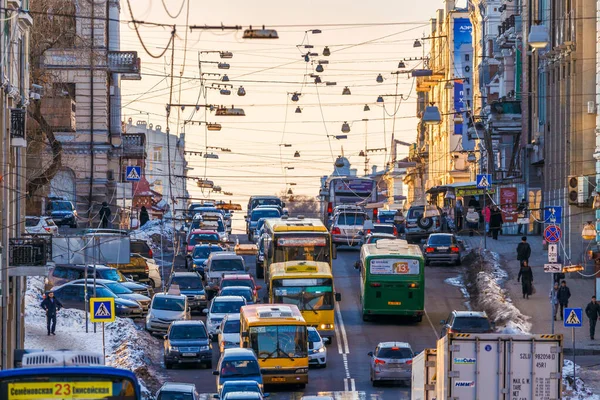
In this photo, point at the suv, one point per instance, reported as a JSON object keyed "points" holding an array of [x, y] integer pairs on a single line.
{"points": [[190, 284], [220, 307], [467, 322], [442, 247], [241, 280], [164, 309], [258, 213], [391, 361], [200, 255], [347, 227], [62, 212], [418, 226], [219, 264], [177, 391], [187, 342], [237, 365], [140, 247]]}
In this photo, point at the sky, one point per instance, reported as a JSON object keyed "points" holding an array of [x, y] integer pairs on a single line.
{"points": [[365, 39]]}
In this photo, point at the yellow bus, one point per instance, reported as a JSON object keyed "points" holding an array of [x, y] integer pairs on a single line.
{"points": [[294, 239], [309, 286], [277, 334]]}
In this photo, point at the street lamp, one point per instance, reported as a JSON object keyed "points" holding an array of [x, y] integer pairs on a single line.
{"points": [[401, 64], [346, 91], [366, 108], [297, 154], [345, 127], [295, 96], [319, 68], [298, 110], [241, 91], [588, 232], [538, 36], [380, 99], [379, 78], [417, 43], [431, 115], [326, 51]]}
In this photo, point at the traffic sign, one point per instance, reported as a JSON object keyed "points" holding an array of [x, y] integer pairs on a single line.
{"points": [[552, 253], [484, 181], [133, 173], [573, 318], [553, 215], [102, 309], [552, 234], [552, 268]]}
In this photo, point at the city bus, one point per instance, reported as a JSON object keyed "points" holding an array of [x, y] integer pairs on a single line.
{"points": [[48, 378], [392, 279], [278, 336], [309, 286], [294, 239], [347, 190]]}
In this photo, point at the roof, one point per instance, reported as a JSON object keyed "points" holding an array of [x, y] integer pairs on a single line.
{"points": [[394, 344], [86, 371], [228, 298], [90, 281], [251, 312], [237, 276], [241, 382], [393, 247], [238, 352], [288, 268], [188, 322], [178, 387], [264, 197], [480, 314], [207, 244], [225, 255], [171, 296], [242, 395], [295, 224]]}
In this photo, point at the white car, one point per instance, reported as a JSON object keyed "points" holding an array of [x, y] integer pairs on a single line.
{"points": [[219, 307], [35, 225], [317, 352], [229, 332], [153, 273]]}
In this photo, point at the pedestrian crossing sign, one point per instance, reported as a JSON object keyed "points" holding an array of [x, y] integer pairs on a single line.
{"points": [[573, 318], [102, 309], [484, 181], [133, 173]]}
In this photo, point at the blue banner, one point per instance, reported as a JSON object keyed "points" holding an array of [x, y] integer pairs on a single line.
{"points": [[463, 54]]}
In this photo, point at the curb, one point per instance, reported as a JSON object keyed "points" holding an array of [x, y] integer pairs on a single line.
{"points": [[581, 352]]}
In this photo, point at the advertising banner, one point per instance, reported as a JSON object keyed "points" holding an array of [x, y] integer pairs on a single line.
{"points": [[463, 65], [508, 204]]}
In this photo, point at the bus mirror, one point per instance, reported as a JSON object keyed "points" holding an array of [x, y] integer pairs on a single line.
{"points": [[216, 373], [338, 297], [245, 335], [357, 265], [282, 204]]}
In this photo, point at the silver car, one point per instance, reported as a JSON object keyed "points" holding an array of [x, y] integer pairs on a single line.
{"points": [[347, 228], [219, 264], [164, 309], [391, 361]]}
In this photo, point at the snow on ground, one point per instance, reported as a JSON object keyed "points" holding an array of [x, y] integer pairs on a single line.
{"points": [[582, 391], [459, 282], [151, 232], [125, 344]]}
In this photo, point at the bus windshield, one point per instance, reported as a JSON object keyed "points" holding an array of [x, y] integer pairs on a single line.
{"points": [[310, 248], [288, 341], [307, 294]]}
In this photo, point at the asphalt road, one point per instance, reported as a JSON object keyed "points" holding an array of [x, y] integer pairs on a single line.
{"points": [[347, 372]]}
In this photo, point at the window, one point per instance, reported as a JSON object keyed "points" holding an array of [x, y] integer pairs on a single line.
{"points": [[467, 57], [157, 154]]}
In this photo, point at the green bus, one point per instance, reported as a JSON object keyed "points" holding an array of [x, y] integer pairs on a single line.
{"points": [[392, 279]]}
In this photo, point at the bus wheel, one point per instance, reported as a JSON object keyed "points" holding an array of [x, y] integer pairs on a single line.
{"points": [[302, 385], [366, 317], [418, 318]]}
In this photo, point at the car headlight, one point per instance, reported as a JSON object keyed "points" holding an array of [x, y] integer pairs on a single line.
{"points": [[326, 326], [321, 350], [204, 348], [226, 343], [120, 306], [302, 371], [174, 348], [199, 297]]}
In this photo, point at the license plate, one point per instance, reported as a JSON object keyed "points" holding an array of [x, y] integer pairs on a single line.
{"points": [[278, 379], [394, 303], [189, 354], [443, 248]]}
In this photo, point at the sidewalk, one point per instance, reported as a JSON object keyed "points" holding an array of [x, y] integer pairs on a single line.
{"points": [[538, 305]]}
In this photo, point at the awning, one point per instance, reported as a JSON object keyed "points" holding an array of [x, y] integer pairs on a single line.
{"points": [[461, 189]]}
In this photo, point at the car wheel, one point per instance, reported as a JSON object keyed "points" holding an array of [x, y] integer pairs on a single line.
{"points": [[427, 262], [151, 282], [250, 237], [324, 365], [366, 317], [73, 225], [208, 365], [168, 365], [302, 385]]}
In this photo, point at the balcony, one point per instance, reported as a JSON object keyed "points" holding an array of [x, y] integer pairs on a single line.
{"points": [[134, 145], [59, 113], [504, 118], [126, 63]]}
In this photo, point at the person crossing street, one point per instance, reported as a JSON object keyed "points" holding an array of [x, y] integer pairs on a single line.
{"points": [[592, 310], [52, 305], [563, 295]]}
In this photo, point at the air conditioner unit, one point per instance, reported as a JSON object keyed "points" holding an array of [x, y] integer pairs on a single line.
{"points": [[591, 107], [572, 187], [584, 190]]}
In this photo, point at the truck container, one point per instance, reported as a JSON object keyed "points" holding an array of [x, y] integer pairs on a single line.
{"points": [[423, 375], [499, 367]]}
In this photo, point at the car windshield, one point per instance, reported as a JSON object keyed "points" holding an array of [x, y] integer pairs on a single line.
{"points": [[31, 221], [226, 307], [415, 213], [117, 288], [101, 292], [471, 324], [384, 229], [394, 352], [111, 274], [61, 206], [227, 265], [187, 282], [204, 251], [444, 240], [265, 202], [351, 219], [282, 341], [231, 368], [230, 291], [263, 213], [236, 282], [166, 395], [203, 237], [313, 336], [239, 387], [187, 332], [168, 304], [232, 326]]}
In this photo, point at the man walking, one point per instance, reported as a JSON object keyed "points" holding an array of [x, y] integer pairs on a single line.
{"points": [[523, 250], [522, 213], [104, 214], [51, 305], [592, 310], [554, 299], [495, 222], [564, 294]]}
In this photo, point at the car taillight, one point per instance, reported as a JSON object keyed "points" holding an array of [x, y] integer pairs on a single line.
{"points": [[368, 231], [375, 284], [437, 223], [413, 285], [454, 249], [429, 249], [47, 229], [329, 208], [336, 231], [378, 361], [375, 213], [409, 362], [150, 253], [395, 231], [146, 268], [378, 221]]}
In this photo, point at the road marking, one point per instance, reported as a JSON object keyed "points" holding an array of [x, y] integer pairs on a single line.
{"points": [[431, 324], [338, 339], [342, 329], [345, 385]]}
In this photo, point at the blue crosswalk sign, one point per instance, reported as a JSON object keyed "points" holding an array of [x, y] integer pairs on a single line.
{"points": [[573, 318], [553, 215], [102, 309], [133, 173], [484, 181]]}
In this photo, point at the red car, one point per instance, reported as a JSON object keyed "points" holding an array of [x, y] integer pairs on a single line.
{"points": [[241, 280], [201, 236]]}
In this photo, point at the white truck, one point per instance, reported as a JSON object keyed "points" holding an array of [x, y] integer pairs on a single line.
{"points": [[499, 367], [423, 375]]}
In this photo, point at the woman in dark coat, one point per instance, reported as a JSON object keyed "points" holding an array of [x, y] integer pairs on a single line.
{"points": [[144, 217], [495, 222], [526, 278]]}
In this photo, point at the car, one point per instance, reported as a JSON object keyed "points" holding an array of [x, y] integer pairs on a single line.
{"points": [[200, 255], [243, 396], [466, 322], [140, 247], [62, 212], [374, 237], [443, 248], [164, 309], [420, 224], [190, 284], [220, 264], [237, 365], [241, 280], [200, 236], [187, 342], [243, 389], [391, 361], [219, 307], [347, 226], [177, 391], [154, 275], [258, 229], [229, 332], [43, 225], [395, 217], [382, 228], [258, 213], [73, 295], [218, 222], [260, 257], [318, 397], [317, 352], [242, 291], [120, 290]]}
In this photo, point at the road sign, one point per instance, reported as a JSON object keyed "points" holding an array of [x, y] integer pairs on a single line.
{"points": [[552, 253], [133, 173], [484, 181], [573, 317], [552, 268], [102, 309], [552, 234], [553, 215]]}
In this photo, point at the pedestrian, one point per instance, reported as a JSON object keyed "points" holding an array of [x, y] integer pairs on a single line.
{"points": [[526, 278], [522, 213], [564, 294], [495, 221], [487, 214], [554, 299], [51, 305], [523, 250], [592, 310], [459, 215], [144, 217], [472, 220], [104, 214]]}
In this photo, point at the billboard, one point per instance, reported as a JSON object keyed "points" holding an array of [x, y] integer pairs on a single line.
{"points": [[463, 66], [508, 203]]}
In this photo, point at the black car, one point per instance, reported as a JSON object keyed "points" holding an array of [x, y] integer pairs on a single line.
{"points": [[140, 247], [62, 212], [442, 247], [187, 342], [72, 295], [466, 322], [191, 285]]}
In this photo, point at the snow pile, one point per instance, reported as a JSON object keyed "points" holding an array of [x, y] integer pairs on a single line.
{"points": [[459, 282], [152, 231], [125, 343], [581, 392]]}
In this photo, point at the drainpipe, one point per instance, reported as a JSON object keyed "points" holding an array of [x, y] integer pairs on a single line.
{"points": [[597, 151], [91, 119]]}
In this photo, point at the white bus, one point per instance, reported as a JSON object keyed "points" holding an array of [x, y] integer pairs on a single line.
{"points": [[346, 191]]}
